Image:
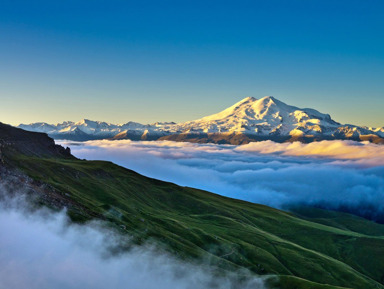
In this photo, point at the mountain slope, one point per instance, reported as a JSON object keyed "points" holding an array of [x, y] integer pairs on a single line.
{"points": [[265, 116], [250, 119], [90, 130], [309, 251], [17, 141], [268, 118]]}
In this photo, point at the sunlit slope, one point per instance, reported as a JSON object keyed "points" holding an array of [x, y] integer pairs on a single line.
{"points": [[232, 233]]}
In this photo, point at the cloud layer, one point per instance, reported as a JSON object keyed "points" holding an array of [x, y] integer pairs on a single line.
{"points": [[343, 175], [40, 250]]}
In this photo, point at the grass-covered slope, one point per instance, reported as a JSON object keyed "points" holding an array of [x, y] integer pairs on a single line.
{"points": [[308, 249]]}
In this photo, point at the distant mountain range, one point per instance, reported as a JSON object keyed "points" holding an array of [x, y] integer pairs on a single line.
{"points": [[249, 120]]}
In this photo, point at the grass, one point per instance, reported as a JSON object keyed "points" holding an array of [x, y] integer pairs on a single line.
{"points": [[307, 248]]}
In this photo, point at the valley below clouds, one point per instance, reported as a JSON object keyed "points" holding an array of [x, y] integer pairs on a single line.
{"points": [[340, 175]]}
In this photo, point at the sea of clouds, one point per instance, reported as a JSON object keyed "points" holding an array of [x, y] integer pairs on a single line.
{"points": [[340, 175], [41, 249]]}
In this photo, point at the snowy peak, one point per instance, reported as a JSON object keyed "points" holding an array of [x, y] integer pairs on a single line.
{"points": [[258, 119], [264, 108], [263, 116]]}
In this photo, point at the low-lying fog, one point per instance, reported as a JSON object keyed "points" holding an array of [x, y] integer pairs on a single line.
{"points": [[41, 250]]}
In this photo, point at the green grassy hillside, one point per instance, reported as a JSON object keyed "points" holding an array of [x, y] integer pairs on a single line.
{"points": [[309, 248]]}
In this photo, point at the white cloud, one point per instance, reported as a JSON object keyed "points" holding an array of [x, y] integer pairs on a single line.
{"points": [[40, 250], [335, 174], [363, 153]]}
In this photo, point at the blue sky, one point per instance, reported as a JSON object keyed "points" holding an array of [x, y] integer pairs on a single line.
{"points": [[179, 60]]}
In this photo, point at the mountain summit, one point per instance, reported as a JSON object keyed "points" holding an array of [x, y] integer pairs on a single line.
{"points": [[265, 116], [250, 119]]}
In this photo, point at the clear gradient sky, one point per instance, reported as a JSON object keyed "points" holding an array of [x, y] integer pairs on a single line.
{"points": [[166, 60]]}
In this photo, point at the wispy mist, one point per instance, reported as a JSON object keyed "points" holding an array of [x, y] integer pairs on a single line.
{"points": [[343, 175], [42, 250]]}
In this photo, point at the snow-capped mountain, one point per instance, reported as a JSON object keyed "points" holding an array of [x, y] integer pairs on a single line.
{"points": [[89, 130], [263, 116], [379, 131], [248, 120]]}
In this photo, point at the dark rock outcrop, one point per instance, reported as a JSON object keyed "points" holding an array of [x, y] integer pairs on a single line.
{"points": [[16, 140]]}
